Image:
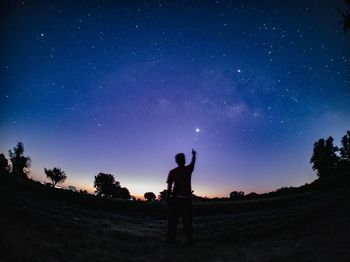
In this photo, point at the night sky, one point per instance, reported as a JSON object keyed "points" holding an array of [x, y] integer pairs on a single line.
{"points": [[120, 87]]}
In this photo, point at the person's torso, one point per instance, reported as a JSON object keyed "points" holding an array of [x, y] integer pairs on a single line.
{"points": [[182, 181]]}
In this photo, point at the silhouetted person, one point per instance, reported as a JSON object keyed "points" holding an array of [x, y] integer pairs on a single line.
{"points": [[179, 197]]}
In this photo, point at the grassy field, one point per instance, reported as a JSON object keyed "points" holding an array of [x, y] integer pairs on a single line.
{"points": [[38, 223]]}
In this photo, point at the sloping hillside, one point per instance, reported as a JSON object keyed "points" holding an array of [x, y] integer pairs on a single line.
{"points": [[44, 224]]}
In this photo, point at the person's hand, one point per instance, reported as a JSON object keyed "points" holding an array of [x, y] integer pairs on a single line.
{"points": [[193, 152]]}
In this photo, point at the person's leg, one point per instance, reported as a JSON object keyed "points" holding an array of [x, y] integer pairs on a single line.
{"points": [[173, 220], [187, 220]]}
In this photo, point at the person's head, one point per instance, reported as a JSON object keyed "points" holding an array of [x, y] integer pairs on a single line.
{"points": [[180, 159]]}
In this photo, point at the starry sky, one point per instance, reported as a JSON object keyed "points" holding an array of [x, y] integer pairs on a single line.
{"points": [[120, 87]]}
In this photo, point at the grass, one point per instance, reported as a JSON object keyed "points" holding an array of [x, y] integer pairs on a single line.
{"points": [[38, 223]]}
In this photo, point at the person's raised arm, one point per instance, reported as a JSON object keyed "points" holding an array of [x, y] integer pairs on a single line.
{"points": [[193, 161]]}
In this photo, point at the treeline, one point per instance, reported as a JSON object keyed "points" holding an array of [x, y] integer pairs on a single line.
{"points": [[331, 163], [19, 166]]}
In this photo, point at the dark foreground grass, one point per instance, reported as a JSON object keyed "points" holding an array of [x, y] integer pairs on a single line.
{"points": [[38, 223]]}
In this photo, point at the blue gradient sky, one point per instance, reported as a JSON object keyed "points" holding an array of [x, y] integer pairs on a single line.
{"points": [[120, 88]]}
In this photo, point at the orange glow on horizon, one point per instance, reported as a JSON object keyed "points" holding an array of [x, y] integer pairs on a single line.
{"points": [[137, 189]]}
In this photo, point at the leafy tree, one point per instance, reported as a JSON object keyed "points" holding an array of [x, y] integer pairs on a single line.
{"points": [[125, 193], [252, 195], [236, 194], [56, 175], [163, 195], [150, 196], [346, 18], [4, 165], [344, 162], [20, 163], [106, 186], [120, 192], [324, 158], [345, 149]]}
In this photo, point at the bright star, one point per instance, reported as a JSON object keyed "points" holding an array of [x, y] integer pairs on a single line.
{"points": [[197, 130]]}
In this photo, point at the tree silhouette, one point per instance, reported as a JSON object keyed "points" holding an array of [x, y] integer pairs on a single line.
{"points": [[20, 163], [344, 163], [106, 186], [162, 195], [125, 193], [346, 18], [56, 175], [120, 192], [150, 196], [4, 165], [324, 159], [236, 194], [345, 149], [252, 195]]}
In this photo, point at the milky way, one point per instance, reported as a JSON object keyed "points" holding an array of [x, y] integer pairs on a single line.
{"points": [[121, 87]]}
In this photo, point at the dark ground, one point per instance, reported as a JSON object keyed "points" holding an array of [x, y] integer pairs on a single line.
{"points": [[38, 223]]}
